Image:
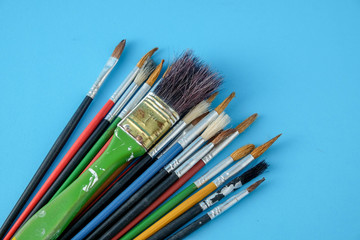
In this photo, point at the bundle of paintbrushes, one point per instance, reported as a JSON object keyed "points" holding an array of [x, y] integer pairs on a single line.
{"points": [[119, 179]]}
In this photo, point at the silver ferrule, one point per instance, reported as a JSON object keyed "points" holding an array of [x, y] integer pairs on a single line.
{"points": [[185, 167], [135, 100], [125, 84], [233, 170], [213, 172], [228, 204], [185, 154], [219, 147], [197, 129], [110, 64]]}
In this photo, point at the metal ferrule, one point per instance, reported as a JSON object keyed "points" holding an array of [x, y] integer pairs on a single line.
{"points": [[149, 121], [135, 100], [110, 64], [196, 130], [213, 172], [185, 154], [219, 147], [233, 170], [193, 160], [125, 84], [167, 138], [228, 204]]}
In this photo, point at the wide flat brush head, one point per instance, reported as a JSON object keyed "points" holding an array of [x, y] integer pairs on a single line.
{"points": [[187, 83], [254, 172]]}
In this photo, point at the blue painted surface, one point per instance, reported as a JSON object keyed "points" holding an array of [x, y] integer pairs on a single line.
{"points": [[296, 63]]}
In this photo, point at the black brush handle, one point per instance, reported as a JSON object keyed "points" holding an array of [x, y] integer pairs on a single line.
{"points": [[142, 164], [192, 227], [177, 223], [124, 208], [45, 165], [74, 162], [139, 208]]}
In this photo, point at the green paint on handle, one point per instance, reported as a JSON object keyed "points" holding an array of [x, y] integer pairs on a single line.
{"points": [[158, 213], [89, 156], [51, 220]]}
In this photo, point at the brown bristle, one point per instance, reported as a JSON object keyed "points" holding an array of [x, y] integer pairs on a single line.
{"points": [[146, 57], [119, 49], [245, 124], [262, 148], [198, 119], [167, 71], [155, 74], [212, 97], [219, 109], [222, 135], [255, 185], [242, 152]]}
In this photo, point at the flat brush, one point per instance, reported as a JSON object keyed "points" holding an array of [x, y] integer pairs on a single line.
{"points": [[198, 196], [214, 213], [230, 187], [162, 210], [134, 135], [61, 140]]}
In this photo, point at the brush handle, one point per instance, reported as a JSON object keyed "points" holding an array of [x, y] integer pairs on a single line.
{"points": [[54, 217], [192, 227], [144, 162], [45, 165]]}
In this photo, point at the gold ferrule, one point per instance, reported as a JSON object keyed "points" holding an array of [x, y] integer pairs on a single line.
{"points": [[149, 120]]}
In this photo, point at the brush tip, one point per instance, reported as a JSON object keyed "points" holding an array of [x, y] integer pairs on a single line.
{"points": [[199, 118], [219, 123], [212, 97], [219, 109], [146, 57], [246, 123], [151, 80], [262, 148], [253, 172], [119, 49], [222, 135], [242, 152], [255, 185], [167, 71]]}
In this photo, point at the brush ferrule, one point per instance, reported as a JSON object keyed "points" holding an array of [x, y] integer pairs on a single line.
{"points": [[110, 64], [150, 120], [135, 100], [213, 172], [125, 84], [198, 128], [185, 167], [167, 139], [185, 154]]}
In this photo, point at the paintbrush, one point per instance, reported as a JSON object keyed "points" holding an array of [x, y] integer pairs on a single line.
{"points": [[198, 196], [63, 137], [162, 210], [213, 213], [135, 134]]}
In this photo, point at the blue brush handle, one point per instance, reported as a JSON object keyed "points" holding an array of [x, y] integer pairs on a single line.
{"points": [[130, 190]]}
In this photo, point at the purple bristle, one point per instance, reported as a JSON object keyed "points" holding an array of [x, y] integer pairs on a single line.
{"points": [[188, 82]]}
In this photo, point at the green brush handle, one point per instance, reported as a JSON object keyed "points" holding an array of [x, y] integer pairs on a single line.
{"points": [[89, 156], [161, 211], [50, 221]]}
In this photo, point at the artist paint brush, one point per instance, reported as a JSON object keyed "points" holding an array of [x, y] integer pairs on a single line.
{"points": [[143, 163], [135, 134], [63, 137], [161, 178], [162, 210], [203, 192], [213, 213], [230, 187]]}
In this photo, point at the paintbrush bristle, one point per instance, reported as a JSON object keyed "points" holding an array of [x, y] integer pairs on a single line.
{"points": [[144, 72], [167, 71], [262, 148], [155, 74], [212, 97], [187, 83], [222, 135], [220, 122], [253, 172], [199, 118], [146, 57], [245, 124], [119, 49], [242, 152], [196, 111], [219, 109], [255, 185]]}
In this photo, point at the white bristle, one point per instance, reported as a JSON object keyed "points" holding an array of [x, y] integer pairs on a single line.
{"points": [[145, 72], [220, 122], [196, 111]]}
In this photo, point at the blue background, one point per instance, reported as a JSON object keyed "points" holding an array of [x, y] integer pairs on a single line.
{"points": [[296, 63]]}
